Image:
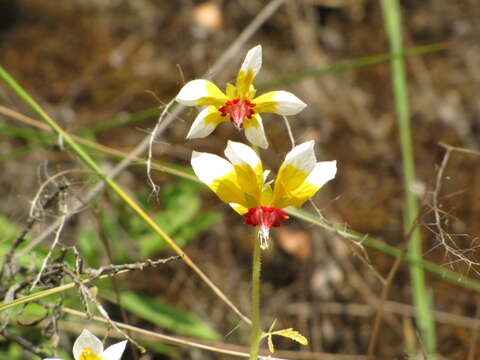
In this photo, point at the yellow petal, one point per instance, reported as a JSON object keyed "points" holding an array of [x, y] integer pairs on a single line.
{"points": [[219, 175], [279, 102], [267, 194], [248, 169], [205, 122], [266, 102], [201, 92], [298, 164], [231, 91]]}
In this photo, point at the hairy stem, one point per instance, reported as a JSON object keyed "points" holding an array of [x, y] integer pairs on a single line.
{"points": [[256, 265]]}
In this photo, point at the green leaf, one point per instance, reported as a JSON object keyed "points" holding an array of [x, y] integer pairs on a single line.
{"points": [[164, 315], [170, 351], [182, 218], [10, 232], [88, 242], [9, 229]]}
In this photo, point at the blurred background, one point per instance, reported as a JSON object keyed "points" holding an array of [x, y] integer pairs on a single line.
{"points": [[105, 69]]}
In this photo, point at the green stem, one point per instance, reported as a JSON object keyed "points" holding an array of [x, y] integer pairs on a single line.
{"points": [[392, 19], [256, 267]]}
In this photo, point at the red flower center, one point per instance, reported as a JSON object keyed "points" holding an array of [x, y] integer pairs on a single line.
{"points": [[265, 217], [238, 110]]}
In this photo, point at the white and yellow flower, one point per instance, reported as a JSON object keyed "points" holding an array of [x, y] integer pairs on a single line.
{"points": [[241, 182], [89, 347], [239, 104]]}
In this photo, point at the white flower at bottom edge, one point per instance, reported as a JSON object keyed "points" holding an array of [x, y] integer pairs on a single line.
{"points": [[89, 347]]}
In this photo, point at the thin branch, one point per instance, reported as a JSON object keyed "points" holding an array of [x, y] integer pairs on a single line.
{"points": [[289, 131], [102, 273], [88, 296], [31, 221], [153, 136], [383, 299], [27, 345], [459, 149], [444, 237], [50, 252]]}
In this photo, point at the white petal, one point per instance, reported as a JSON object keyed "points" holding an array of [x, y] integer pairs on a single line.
{"points": [[241, 154], [209, 167], [323, 172], [192, 91], [115, 351], [200, 128], [87, 340], [287, 103], [201, 92], [253, 60], [302, 157], [256, 134]]}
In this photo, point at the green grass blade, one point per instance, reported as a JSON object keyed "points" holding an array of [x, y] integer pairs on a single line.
{"points": [[22, 133], [392, 20], [121, 120], [348, 65]]}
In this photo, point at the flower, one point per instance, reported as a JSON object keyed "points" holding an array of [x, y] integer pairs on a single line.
{"points": [[89, 347], [239, 105], [241, 182]]}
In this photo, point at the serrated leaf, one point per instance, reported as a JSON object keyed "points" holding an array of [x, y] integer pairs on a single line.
{"points": [[292, 334]]}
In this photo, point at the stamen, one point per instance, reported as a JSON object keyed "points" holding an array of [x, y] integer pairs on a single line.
{"points": [[238, 110], [265, 217], [88, 354]]}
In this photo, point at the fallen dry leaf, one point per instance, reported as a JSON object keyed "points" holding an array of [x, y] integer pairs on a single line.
{"points": [[294, 242], [208, 15]]}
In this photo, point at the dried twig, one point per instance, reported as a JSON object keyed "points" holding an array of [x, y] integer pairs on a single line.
{"points": [[289, 131], [153, 136], [28, 227], [383, 299], [445, 239], [24, 343]]}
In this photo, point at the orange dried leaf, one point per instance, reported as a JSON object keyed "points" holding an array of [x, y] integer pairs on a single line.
{"points": [[295, 243]]}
